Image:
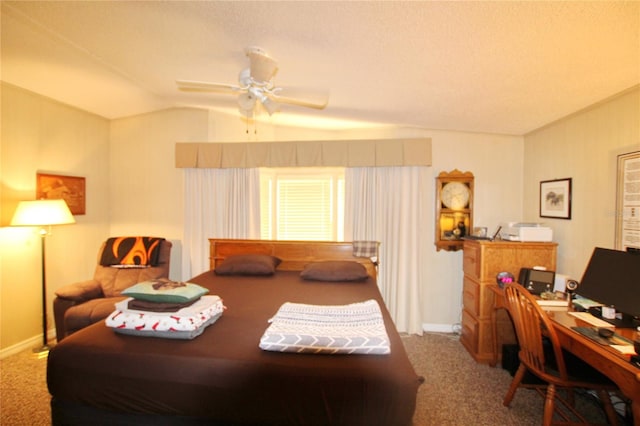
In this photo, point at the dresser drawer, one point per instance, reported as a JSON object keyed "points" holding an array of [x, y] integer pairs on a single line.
{"points": [[471, 259], [469, 332], [471, 296], [481, 261]]}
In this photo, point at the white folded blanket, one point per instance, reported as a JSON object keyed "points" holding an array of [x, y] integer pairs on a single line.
{"points": [[356, 328], [186, 319]]}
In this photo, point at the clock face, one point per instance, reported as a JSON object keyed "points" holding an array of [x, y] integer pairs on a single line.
{"points": [[455, 195]]}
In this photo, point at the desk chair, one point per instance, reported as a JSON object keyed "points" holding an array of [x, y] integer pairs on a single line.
{"points": [[531, 324]]}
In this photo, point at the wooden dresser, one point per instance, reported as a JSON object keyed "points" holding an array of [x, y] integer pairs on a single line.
{"points": [[482, 261]]}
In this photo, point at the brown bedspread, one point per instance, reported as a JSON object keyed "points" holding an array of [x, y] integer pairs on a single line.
{"points": [[223, 377]]}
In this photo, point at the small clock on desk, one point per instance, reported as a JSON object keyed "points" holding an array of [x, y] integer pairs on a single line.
{"points": [[454, 208]]}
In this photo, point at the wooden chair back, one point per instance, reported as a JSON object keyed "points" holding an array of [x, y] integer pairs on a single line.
{"points": [[531, 322]]}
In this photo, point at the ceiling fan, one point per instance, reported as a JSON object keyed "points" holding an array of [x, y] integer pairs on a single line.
{"points": [[255, 86]]}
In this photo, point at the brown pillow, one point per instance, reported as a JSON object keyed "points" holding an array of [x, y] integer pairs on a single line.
{"points": [[248, 264], [335, 270]]}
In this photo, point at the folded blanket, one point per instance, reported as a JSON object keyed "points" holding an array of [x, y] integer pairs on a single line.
{"points": [[365, 248], [356, 328], [186, 319], [143, 305], [131, 251]]}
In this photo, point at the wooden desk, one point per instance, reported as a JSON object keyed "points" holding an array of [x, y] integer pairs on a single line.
{"points": [[605, 359]]}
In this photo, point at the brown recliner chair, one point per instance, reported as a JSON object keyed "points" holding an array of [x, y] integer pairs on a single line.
{"points": [[83, 303]]}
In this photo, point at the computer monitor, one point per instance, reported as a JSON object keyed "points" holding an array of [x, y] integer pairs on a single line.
{"points": [[612, 277]]}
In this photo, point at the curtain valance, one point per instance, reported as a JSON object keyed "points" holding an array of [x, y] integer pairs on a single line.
{"points": [[334, 153]]}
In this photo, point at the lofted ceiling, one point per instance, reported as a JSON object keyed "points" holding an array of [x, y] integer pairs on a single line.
{"points": [[496, 67]]}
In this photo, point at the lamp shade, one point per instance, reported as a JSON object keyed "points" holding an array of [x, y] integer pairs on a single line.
{"points": [[41, 213]]}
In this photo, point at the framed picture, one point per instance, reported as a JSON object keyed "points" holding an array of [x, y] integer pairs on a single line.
{"points": [[555, 198], [69, 188], [628, 202]]}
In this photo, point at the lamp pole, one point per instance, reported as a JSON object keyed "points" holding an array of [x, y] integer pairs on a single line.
{"points": [[43, 213], [45, 340]]}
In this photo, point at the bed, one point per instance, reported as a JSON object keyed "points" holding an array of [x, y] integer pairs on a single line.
{"points": [[223, 377]]}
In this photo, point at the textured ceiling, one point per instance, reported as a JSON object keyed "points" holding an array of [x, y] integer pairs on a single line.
{"points": [[496, 67]]}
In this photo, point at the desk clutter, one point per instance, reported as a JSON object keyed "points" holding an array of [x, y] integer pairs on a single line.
{"points": [[614, 340], [591, 319], [166, 309]]}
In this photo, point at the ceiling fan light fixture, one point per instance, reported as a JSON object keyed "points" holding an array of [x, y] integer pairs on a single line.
{"points": [[248, 113], [246, 101], [258, 93], [270, 105]]}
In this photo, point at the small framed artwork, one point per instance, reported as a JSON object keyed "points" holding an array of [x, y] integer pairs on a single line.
{"points": [[555, 198], [69, 188]]}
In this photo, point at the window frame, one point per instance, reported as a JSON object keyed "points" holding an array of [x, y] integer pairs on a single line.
{"points": [[270, 214]]}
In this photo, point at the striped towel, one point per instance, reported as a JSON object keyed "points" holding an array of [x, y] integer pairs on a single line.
{"points": [[357, 328]]}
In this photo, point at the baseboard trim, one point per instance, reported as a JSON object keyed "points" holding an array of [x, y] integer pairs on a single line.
{"points": [[31, 343], [439, 328]]}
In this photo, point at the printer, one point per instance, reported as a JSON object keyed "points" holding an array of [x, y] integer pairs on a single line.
{"points": [[530, 232]]}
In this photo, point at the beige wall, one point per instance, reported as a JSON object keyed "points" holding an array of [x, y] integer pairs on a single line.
{"points": [[583, 147], [133, 187], [496, 162], [146, 196], [39, 134]]}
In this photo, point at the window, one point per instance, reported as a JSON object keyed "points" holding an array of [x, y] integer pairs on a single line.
{"points": [[302, 204]]}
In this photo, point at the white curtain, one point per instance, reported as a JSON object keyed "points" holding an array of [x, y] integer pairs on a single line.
{"points": [[219, 203], [388, 204]]}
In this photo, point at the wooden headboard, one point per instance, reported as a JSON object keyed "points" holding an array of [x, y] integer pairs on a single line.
{"points": [[294, 254]]}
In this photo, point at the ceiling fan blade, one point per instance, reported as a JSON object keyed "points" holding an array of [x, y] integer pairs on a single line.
{"points": [[309, 98], [201, 86], [263, 67], [256, 87]]}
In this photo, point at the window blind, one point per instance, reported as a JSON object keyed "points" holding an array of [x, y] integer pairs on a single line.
{"points": [[299, 205]]}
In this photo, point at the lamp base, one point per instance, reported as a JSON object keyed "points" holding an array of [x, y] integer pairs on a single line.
{"points": [[42, 351]]}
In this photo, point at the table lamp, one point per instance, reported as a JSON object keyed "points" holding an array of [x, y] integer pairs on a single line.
{"points": [[42, 213]]}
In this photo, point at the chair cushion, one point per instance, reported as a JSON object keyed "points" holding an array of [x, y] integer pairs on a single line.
{"points": [[81, 291], [115, 280], [89, 312]]}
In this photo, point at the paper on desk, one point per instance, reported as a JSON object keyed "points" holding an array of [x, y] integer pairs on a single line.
{"points": [[624, 349], [587, 317]]}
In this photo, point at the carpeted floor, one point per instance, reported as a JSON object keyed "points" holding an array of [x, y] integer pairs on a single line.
{"points": [[24, 399], [459, 391], [456, 391]]}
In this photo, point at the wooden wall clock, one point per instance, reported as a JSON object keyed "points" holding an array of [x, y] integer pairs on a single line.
{"points": [[454, 209]]}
